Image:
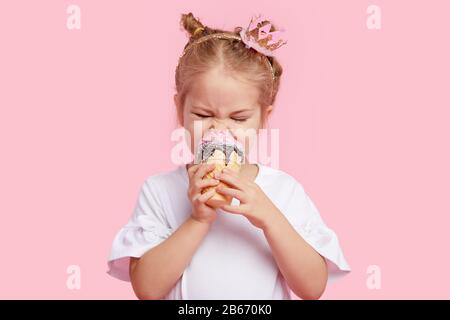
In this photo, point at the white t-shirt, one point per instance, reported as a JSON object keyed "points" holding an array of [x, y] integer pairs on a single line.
{"points": [[234, 260]]}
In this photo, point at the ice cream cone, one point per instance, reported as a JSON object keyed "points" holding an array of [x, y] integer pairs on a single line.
{"points": [[214, 149], [234, 164]]}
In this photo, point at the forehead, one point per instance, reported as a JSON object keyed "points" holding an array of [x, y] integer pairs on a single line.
{"points": [[219, 89]]}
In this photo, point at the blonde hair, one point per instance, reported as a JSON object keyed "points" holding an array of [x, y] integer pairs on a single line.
{"points": [[232, 54]]}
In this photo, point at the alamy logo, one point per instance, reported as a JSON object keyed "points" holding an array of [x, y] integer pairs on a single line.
{"points": [[74, 17], [258, 143], [373, 21], [373, 282], [73, 281]]}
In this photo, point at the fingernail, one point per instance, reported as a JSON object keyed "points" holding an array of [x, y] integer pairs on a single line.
{"points": [[217, 175]]}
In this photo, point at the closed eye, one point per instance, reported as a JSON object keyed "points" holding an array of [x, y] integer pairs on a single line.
{"points": [[239, 119], [201, 115]]}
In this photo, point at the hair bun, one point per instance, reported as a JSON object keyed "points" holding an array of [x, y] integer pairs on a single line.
{"points": [[192, 25]]}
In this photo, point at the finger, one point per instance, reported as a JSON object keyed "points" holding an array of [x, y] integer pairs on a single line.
{"points": [[233, 209], [236, 174], [192, 170], [238, 194], [204, 168], [200, 184], [195, 196], [231, 180], [205, 196], [231, 172]]}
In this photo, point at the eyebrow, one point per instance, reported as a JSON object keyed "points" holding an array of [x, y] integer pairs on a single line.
{"points": [[241, 111], [201, 108], [233, 113]]}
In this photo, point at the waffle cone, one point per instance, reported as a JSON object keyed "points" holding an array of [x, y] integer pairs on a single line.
{"points": [[219, 199]]}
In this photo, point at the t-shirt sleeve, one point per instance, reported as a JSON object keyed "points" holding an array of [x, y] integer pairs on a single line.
{"points": [[306, 220], [146, 228]]}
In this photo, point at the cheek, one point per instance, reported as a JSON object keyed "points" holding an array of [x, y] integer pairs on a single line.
{"points": [[253, 122], [192, 123], [248, 137], [196, 129]]}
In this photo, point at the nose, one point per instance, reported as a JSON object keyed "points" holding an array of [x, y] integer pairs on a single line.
{"points": [[218, 124]]}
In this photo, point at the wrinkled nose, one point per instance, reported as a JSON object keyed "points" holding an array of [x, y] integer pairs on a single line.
{"points": [[218, 124], [223, 125]]}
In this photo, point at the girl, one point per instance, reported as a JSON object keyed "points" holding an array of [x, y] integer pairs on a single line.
{"points": [[271, 240]]}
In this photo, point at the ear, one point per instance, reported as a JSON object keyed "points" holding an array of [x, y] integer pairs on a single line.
{"points": [[179, 109], [267, 112]]}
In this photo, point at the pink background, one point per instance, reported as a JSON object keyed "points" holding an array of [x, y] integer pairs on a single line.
{"points": [[86, 116]]}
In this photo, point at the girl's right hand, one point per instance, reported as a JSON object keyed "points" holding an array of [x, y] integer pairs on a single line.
{"points": [[200, 210]]}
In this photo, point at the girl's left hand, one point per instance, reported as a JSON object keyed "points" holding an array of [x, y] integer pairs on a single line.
{"points": [[254, 204]]}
